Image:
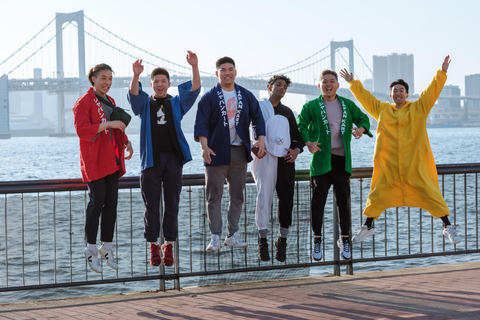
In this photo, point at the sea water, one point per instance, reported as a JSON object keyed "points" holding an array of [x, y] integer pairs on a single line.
{"points": [[43, 158]]}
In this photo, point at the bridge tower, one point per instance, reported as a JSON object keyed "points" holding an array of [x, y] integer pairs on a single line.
{"points": [[334, 45], [61, 19]]}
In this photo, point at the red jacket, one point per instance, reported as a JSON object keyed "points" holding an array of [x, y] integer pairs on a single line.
{"points": [[97, 152]]}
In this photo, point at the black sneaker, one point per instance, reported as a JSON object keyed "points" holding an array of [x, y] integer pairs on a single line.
{"points": [[281, 249], [263, 249]]}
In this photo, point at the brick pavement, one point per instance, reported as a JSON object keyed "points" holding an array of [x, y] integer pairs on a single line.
{"points": [[441, 292]]}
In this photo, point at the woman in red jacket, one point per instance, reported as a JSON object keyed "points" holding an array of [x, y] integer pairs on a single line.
{"points": [[102, 161]]}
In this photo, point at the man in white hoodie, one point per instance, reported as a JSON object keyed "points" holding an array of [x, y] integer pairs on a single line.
{"points": [[276, 170]]}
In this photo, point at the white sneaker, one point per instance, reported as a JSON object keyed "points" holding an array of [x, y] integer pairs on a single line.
{"points": [[317, 250], [234, 241], [92, 259], [451, 233], [362, 233], [345, 249], [109, 257], [215, 244]]}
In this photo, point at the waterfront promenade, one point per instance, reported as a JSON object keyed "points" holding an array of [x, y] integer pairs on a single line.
{"points": [[438, 292]]}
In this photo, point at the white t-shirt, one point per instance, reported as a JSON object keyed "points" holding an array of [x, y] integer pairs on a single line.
{"points": [[231, 103]]}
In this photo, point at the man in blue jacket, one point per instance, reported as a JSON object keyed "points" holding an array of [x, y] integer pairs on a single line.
{"points": [[163, 151], [222, 127]]}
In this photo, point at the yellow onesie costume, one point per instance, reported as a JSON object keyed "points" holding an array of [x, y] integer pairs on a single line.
{"points": [[404, 171]]}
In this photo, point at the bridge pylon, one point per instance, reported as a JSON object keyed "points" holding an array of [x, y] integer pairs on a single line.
{"points": [[334, 45], [61, 19]]}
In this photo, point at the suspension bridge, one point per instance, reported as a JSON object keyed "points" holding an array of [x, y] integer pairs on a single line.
{"points": [[80, 41]]}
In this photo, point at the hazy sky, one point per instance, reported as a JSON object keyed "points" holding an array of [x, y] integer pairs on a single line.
{"points": [[266, 35]]}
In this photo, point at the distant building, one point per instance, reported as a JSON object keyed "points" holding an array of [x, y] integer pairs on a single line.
{"points": [[389, 68], [368, 84], [472, 89], [448, 92], [472, 85], [4, 108]]}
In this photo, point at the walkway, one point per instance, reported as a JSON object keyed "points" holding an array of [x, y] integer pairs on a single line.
{"points": [[441, 292]]}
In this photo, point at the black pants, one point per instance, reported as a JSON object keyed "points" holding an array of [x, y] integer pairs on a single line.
{"points": [[167, 177], [103, 195], [340, 179], [285, 188]]}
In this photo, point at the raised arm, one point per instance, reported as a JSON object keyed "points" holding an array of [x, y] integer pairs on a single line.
{"points": [[432, 91], [368, 101], [193, 61], [137, 71]]}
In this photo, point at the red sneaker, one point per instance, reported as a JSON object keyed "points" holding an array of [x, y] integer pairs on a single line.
{"points": [[155, 259], [167, 254]]}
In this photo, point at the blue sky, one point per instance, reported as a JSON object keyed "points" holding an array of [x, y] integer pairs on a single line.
{"points": [[265, 35]]}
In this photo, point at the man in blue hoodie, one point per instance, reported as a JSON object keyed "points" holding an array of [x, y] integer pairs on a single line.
{"points": [[222, 127], [163, 151]]}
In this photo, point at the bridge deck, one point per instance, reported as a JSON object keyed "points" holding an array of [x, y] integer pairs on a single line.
{"points": [[440, 292]]}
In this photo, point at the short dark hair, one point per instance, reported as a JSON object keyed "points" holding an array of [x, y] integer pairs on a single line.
{"points": [[95, 70], [329, 71], [224, 60], [401, 82], [276, 77], [158, 71]]}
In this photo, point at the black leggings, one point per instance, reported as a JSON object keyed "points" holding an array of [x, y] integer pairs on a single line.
{"points": [[103, 195]]}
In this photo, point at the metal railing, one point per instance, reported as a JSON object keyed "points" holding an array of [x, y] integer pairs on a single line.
{"points": [[43, 233]]}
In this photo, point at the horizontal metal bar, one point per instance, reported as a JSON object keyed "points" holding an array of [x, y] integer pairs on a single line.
{"points": [[9, 187]]}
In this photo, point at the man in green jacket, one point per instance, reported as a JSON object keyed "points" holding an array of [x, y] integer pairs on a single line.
{"points": [[328, 122]]}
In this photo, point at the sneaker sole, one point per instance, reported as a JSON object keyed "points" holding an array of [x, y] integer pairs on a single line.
{"points": [[212, 249], [156, 261], [357, 239], [236, 246], [108, 263], [451, 240], [168, 262]]}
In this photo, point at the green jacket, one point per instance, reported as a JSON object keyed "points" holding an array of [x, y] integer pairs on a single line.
{"points": [[313, 126]]}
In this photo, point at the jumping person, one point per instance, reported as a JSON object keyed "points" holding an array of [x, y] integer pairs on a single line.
{"points": [[328, 121], [222, 127], [163, 152], [102, 161], [404, 171], [276, 170]]}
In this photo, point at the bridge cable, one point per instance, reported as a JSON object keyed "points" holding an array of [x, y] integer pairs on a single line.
{"points": [[363, 60], [128, 54], [138, 48], [27, 43], [21, 63], [293, 65]]}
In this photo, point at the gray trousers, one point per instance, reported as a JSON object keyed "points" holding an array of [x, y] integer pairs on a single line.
{"points": [[236, 176]]}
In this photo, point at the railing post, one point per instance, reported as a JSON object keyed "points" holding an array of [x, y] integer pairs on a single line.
{"points": [[350, 262], [176, 266], [336, 234], [161, 241]]}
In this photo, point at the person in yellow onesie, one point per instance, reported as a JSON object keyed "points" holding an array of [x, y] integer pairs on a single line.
{"points": [[404, 170]]}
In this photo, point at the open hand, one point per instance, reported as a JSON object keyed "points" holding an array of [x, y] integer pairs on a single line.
{"points": [[446, 63], [291, 155], [345, 75], [313, 146], [137, 67], [192, 58], [358, 132]]}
